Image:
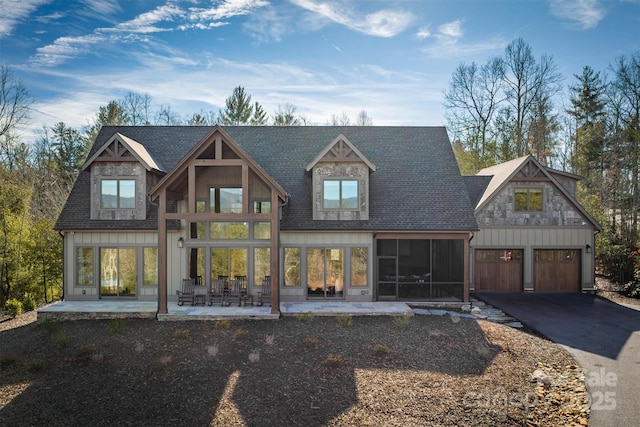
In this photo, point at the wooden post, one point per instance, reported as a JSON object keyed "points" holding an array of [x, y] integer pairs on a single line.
{"points": [[162, 253], [275, 253], [466, 269]]}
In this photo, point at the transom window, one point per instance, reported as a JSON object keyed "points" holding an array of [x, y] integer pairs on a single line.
{"points": [[118, 193], [528, 199], [340, 194]]}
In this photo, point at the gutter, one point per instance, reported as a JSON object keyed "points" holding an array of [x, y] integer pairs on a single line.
{"points": [[63, 265]]}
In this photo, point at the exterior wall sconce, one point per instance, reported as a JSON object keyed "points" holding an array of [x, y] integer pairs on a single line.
{"points": [[181, 242], [588, 247]]}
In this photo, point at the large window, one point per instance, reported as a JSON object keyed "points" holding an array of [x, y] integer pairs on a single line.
{"points": [[118, 193], [528, 199], [261, 264], [359, 259], [84, 266], [150, 260], [225, 200], [340, 194], [228, 262], [291, 266], [229, 230]]}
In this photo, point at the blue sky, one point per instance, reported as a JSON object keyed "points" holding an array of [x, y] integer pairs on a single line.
{"points": [[392, 59]]}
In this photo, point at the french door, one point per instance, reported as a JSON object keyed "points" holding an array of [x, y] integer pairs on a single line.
{"points": [[118, 272], [325, 273]]}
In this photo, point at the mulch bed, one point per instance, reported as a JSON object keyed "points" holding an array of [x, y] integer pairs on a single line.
{"points": [[424, 370]]}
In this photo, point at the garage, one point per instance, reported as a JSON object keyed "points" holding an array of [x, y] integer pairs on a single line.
{"points": [[556, 270], [498, 270]]}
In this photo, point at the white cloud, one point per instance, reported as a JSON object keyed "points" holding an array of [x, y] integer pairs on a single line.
{"points": [[167, 17], [383, 23], [586, 13], [423, 33], [452, 30], [447, 42], [103, 7], [14, 12]]}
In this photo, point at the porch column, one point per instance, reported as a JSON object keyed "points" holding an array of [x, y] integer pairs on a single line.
{"points": [[466, 269], [162, 253], [275, 253]]}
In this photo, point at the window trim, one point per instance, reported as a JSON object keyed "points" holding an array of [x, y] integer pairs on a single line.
{"points": [[340, 180], [527, 190], [118, 181]]}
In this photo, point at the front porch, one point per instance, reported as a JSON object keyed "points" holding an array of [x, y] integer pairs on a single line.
{"points": [[76, 310]]}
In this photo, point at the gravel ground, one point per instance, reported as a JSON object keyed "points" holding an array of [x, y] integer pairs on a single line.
{"points": [[419, 371]]}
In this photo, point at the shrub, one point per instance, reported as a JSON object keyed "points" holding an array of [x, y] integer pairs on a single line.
{"points": [[304, 317], [6, 359], [181, 334], [345, 321], [311, 341], [88, 350], [334, 360], [221, 324], [14, 307], [380, 350], [29, 302], [61, 339], [401, 321], [49, 325], [115, 326], [33, 365], [632, 288], [241, 334]]}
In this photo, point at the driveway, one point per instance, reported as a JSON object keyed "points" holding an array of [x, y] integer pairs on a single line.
{"points": [[602, 336]]}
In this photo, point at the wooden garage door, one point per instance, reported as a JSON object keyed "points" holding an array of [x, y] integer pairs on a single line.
{"points": [[556, 270], [498, 270]]}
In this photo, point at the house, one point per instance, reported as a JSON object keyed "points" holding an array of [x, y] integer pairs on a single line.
{"points": [[534, 235], [311, 213]]}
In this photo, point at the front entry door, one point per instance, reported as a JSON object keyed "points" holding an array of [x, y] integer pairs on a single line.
{"points": [[387, 278], [325, 273]]}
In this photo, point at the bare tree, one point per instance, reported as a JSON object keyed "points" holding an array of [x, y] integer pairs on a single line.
{"points": [[167, 117], [527, 81], [471, 102], [137, 109], [285, 116], [15, 101], [341, 120], [363, 119]]}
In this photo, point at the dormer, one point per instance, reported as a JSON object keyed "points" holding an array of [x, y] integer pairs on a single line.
{"points": [[340, 180], [119, 179]]}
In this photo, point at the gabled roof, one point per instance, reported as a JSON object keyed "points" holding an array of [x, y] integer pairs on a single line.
{"points": [[207, 140], [131, 146], [340, 149], [417, 185], [500, 175]]}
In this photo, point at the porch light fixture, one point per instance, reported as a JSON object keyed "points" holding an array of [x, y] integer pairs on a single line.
{"points": [[588, 249], [181, 242]]}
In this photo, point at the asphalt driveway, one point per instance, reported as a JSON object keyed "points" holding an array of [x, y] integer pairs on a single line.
{"points": [[602, 336]]}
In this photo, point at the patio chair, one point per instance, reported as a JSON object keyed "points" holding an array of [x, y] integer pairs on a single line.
{"points": [[199, 290], [264, 294], [245, 297], [232, 294], [217, 291], [186, 292]]}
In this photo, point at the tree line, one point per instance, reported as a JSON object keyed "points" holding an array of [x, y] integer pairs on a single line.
{"points": [[516, 104]]}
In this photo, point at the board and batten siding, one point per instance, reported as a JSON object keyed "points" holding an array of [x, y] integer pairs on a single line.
{"points": [[327, 240], [97, 240], [530, 239]]}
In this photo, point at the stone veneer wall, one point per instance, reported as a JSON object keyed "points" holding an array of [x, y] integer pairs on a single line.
{"points": [[358, 171], [118, 170], [557, 210]]}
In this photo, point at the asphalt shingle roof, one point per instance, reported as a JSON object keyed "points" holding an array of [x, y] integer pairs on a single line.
{"points": [[417, 185]]}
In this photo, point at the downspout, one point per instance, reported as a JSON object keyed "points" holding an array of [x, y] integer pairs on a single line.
{"points": [[63, 266]]}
